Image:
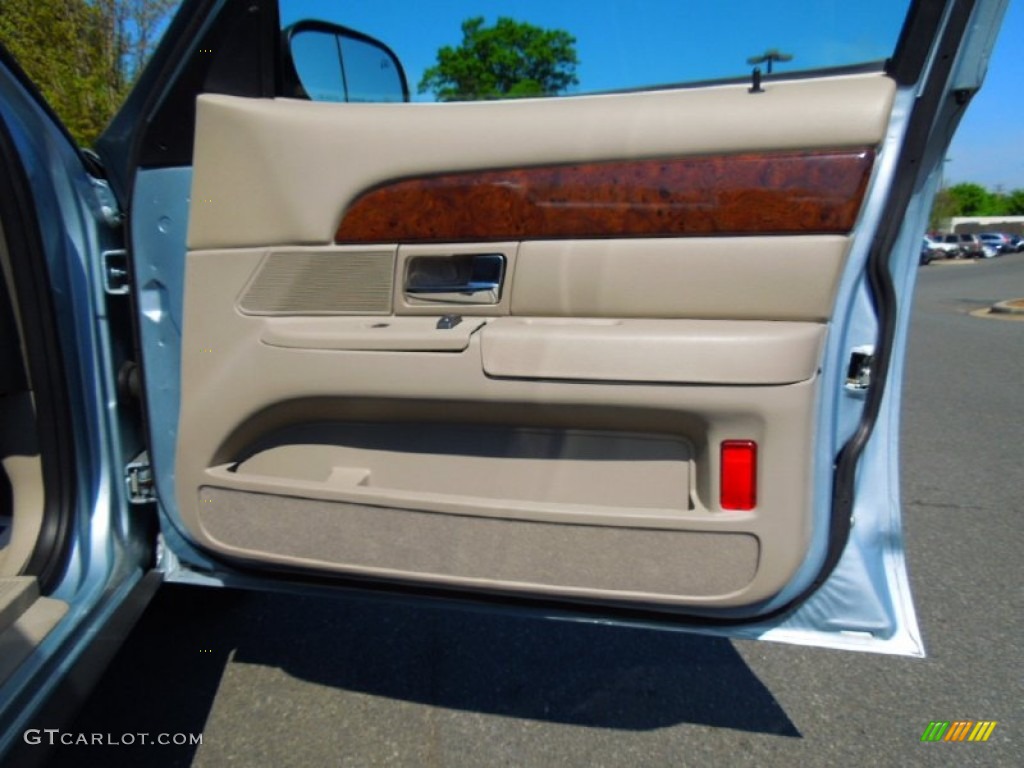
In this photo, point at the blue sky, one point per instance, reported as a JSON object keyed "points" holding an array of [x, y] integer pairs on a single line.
{"points": [[628, 44]]}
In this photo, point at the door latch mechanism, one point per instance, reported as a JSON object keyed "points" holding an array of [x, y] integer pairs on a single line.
{"points": [[138, 480], [115, 272], [859, 371]]}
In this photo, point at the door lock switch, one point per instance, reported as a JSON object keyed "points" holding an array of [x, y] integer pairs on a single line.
{"points": [[445, 322]]}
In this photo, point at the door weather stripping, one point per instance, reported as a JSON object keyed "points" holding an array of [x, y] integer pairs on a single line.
{"points": [[138, 480], [858, 373]]}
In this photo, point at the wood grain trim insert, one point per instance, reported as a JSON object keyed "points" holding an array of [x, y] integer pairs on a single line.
{"points": [[779, 193]]}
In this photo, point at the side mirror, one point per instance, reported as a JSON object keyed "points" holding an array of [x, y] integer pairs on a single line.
{"points": [[329, 62]]}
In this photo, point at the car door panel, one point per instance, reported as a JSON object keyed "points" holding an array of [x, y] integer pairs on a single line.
{"points": [[769, 193], [327, 392], [749, 278], [665, 289], [734, 352], [279, 171], [631, 357], [578, 561]]}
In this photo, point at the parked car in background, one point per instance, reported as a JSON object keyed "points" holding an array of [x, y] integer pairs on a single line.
{"points": [[939, 248], [927, 255], [1002, 243], [1018, 242], [970, 245]]}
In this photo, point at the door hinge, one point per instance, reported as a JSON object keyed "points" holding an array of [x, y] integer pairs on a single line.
{"points": [[858, 373], [138, 480], [116, 281]]}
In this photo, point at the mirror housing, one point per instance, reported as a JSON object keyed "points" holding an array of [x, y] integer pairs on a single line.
{"points": [[329, 62]]}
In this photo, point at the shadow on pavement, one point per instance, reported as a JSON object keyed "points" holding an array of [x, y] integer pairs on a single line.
{"points": [[166, 676], [162, 681]]}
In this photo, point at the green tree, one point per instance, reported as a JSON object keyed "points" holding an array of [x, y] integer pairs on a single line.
{"points": [[82, 54], [1015, 203], [509, 60], [62, 47], [133, 27], [971, 199], [944, 208]]}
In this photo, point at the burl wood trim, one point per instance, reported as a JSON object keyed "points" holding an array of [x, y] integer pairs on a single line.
{"points": [[778, 193]]}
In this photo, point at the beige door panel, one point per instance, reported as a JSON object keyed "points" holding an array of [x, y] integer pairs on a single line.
{"points": [[572, 561], [391, 334], [553, 474], [737, 278], [281, 172], [734, 352], [320, 281], [554, 432], [249, 487], [734, 278]]}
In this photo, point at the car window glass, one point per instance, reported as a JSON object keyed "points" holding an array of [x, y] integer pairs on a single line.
{"points": [[566, 47]]}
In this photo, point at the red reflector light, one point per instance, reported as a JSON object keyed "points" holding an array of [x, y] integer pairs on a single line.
{"points": [[739, 474]]}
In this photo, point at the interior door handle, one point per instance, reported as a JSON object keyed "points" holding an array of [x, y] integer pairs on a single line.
{"points": [[468, 293], [457, 279]]}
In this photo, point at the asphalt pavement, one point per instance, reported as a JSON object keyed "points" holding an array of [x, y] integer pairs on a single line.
{"points": [[281, 680]]}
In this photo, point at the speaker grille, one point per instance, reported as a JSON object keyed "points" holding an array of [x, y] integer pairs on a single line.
{"points": [[332, 282]]}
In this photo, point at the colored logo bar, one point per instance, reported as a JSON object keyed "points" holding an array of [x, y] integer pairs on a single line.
{"points": [[959, 730]]}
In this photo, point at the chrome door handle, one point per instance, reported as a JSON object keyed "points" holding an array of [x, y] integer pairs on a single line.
{"points": [[468, 293], [456, 279]]}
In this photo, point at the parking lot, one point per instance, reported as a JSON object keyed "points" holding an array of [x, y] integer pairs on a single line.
{"points": [[282, 680]]}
